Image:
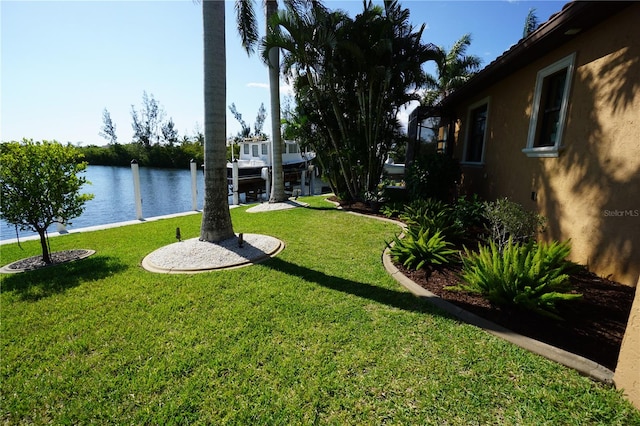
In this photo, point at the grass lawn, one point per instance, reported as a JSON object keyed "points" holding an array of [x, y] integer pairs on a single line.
{"points": [[319, 334]]}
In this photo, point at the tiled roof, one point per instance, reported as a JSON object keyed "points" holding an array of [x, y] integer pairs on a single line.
{"points": [[574, 18]]}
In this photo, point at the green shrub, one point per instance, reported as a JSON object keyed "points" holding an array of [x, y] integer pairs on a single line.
{"points": [[509, 220], [432, 214], [432, 175], [392, 209], [469, 212], [421, 247], [530, 276]]}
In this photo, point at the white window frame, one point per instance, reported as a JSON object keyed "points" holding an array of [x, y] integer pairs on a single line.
{"points": [[472, 107], [550, 151]]}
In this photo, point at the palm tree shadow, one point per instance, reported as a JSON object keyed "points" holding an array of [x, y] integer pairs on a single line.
{"points": [[38, 284], [397, 299], [321, 208]]}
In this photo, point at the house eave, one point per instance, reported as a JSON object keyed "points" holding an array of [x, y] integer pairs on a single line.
{"points": [[574, 18]]}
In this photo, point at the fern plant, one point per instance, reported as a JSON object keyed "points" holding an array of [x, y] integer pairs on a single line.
{"points": [[421, 247], [530, 276]]}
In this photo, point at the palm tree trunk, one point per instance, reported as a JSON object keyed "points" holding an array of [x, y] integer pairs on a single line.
{"points": [[277, 189], [216, 219]]}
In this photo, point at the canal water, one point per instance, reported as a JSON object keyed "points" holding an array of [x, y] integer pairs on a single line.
{"points": [[164, 191]]}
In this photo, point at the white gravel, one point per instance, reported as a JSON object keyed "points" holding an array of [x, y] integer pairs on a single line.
{"points": [[267, 207], [193, 255]]}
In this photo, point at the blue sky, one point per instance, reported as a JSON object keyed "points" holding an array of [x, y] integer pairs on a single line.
{"points": [[63, 62]]}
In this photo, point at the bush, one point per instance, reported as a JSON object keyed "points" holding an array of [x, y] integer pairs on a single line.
{"points": [[469, 212], [432, 214], [530, 276], [509, 220], [433, 175], [392, 209], [421, 247]]}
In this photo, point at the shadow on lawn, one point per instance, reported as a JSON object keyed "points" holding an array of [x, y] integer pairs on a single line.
{"points": [[37, 284], [397, 299]]}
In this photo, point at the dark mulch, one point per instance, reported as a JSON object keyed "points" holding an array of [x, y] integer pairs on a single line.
{"points": [[36, 262], [592, 326]]}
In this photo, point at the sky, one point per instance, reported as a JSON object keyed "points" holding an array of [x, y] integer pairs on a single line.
{"points": [[63, 62]]}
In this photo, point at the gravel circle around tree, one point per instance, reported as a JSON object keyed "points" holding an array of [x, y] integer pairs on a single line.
{"points": [[193, 255], [36, 262]]}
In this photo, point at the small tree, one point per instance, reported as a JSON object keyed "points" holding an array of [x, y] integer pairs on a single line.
{"points": [[108, 130], [147, 124], [530, 23], [40, 186]]}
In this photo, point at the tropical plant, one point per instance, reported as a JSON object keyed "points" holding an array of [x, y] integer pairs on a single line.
{"points": [[350, 77], [392, 209], [433, 175], [247, 27], [529, 276], [421, 247], [434, 214], [216, 219], [39, 186], [509, 220], [469, 211], [453, 68]]}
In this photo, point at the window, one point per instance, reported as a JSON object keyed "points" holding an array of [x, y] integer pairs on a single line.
{"points": [[254, 150], [245, 148], [549, 110], [264, 149], [476, 132]]}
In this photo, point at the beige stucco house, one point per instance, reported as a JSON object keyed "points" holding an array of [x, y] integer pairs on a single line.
{"points": [[554, 124]]}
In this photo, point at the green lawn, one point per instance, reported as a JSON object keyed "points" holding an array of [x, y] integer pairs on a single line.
{"points": [[319, 334]]}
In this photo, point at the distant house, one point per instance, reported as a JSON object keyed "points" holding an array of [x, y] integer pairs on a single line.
{"points": [[554, 124]]}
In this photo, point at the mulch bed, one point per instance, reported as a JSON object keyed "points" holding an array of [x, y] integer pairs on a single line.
{"points": [[36, 262], [592, 326]]}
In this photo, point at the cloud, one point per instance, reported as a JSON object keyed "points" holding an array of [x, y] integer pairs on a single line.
{"points": [[260, 85]]}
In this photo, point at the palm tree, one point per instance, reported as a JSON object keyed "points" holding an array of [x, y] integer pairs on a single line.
{"points": [[454, 68], [247, 27], [352, 76], [216, 219]]}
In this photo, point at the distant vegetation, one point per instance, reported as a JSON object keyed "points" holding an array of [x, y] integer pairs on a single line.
{"points": [[175, 156]]}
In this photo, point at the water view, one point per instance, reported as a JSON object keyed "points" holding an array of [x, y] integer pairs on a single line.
{"points": [[164, 191]]}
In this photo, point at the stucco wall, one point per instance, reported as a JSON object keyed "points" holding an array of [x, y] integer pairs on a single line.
{"points": [[627, 375], [591, 192]]}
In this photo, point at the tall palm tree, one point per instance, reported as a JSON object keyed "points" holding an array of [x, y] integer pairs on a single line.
{"points": [[454, 68], [354, 75], [247, 27], [216, 219]]}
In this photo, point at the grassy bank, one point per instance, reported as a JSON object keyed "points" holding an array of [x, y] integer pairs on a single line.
{"points": [[319, 334]]}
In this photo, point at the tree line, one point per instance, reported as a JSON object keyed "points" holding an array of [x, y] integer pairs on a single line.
{"points": [[156, 141]]}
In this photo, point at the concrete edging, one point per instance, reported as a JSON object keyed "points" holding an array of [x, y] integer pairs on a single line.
{"points": [[581, 364]]}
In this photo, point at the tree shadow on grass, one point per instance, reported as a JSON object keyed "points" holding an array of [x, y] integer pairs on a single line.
{"points": [[40, 283], [320, 208], [397, 299]]}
